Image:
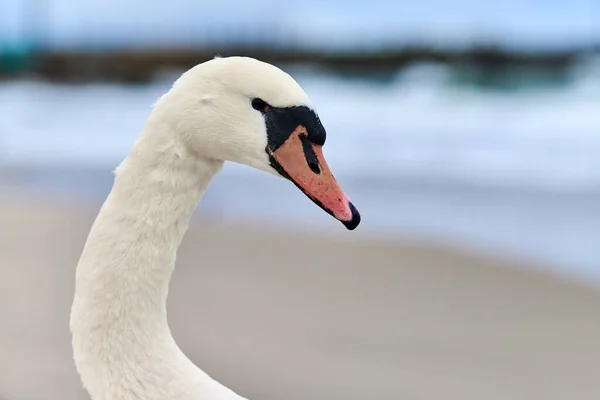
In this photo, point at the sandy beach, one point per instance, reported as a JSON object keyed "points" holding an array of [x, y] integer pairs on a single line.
{"points": [[361, 319]]}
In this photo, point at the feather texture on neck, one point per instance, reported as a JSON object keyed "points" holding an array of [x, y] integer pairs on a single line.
{"points": [[123, 347]]}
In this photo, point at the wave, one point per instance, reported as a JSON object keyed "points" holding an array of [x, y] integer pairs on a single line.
{"points": [[419, 125]]}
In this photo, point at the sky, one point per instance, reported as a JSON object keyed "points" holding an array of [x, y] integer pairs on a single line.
{"points": [[73, 23]]}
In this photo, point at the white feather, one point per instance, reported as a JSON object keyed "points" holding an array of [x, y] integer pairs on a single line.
{"points": [[122, 345]]}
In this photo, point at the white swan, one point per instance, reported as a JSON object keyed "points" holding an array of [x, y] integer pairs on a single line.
{"points": [[237, 109]]}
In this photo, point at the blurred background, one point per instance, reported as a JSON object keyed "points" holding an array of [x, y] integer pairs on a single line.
{"points": [[465, 125]]}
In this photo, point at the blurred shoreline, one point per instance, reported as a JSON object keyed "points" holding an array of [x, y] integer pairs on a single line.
{"points": [[550, 231], [364, 318]]}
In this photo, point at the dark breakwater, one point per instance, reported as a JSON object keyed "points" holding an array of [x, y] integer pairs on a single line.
{"points": [[141, 65]]}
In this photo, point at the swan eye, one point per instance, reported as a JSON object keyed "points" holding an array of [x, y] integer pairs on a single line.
{"points": [[260, 105]]}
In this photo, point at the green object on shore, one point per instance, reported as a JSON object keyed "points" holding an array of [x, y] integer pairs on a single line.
{"points": [[510, 78], [15, 58]]}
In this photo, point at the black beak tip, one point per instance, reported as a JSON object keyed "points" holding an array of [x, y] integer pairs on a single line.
{"points": [[353, 223]]}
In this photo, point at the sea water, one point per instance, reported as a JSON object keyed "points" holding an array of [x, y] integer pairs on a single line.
{"points": [[510, 169]]}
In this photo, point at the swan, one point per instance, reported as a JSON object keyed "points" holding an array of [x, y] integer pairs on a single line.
{"points": [[235, 109]]}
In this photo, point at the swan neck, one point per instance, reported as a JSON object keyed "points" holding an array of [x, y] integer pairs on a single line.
{"points": [[122, 344]]}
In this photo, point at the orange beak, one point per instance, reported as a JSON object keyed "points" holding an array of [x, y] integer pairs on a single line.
{"points": [[303, 163]]}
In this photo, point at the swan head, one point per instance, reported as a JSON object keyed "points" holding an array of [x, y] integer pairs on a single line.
{"points": [[250, 112]]}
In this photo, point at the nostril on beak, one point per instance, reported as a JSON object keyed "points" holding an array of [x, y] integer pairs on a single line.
{"points": [[314, 166], [309, 154]]}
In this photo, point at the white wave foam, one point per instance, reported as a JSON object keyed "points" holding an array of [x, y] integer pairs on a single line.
{"points": [[417, 126]]}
